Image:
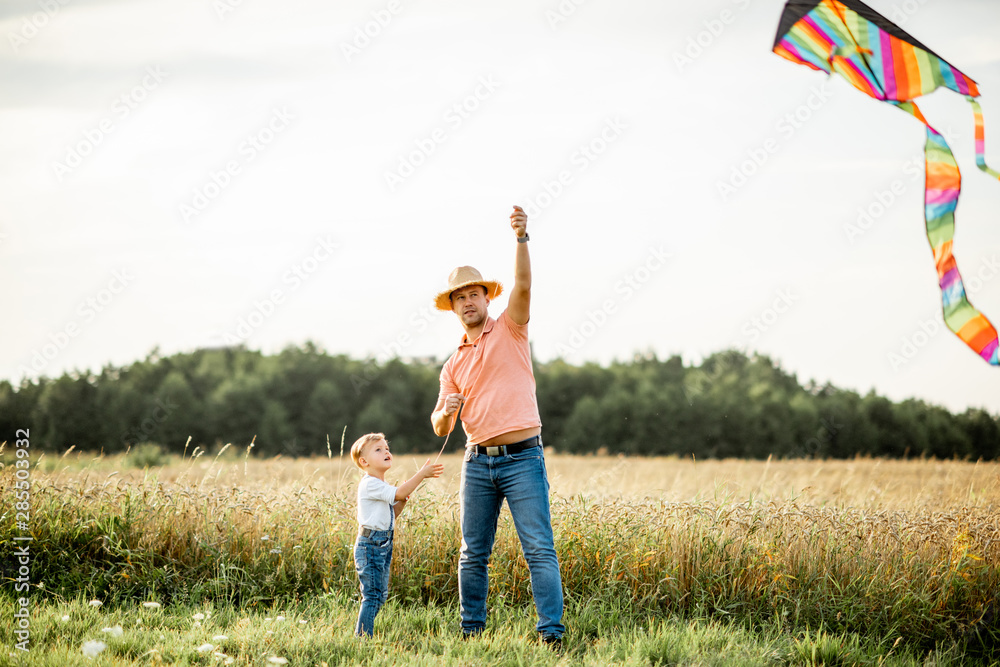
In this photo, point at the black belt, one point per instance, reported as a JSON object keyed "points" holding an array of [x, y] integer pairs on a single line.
{"points": [[507, 450]]}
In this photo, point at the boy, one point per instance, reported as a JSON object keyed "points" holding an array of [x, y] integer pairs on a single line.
{"points": [[379, 503]]}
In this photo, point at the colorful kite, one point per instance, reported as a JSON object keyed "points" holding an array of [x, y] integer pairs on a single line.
{"points": [[878, 58]]}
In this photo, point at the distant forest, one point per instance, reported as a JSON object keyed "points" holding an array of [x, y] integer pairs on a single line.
{"points": [[731, 405]]}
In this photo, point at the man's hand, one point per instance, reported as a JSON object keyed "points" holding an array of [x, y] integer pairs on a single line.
{"points": [[443, 410], [451, 404], [519, 221]]}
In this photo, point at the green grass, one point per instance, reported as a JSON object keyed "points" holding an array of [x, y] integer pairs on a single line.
{"points": [[320, 631]]}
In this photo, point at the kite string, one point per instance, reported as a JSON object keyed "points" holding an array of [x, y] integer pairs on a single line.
{"points": [[481, 348], [448, 435]]}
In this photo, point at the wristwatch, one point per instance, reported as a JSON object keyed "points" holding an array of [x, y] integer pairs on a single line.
{"points": [[523, 239]]}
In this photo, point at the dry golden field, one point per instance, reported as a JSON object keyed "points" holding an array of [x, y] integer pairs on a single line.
{"points": [[862, 483]]}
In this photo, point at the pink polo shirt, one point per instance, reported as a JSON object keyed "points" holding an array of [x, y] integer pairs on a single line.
{"points": [[494, 374]]}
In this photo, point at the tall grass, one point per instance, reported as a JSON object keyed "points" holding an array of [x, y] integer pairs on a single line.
{"points": [[926, 577]]}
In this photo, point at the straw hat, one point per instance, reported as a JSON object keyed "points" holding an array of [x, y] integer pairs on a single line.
{"points": [[464, 276]]}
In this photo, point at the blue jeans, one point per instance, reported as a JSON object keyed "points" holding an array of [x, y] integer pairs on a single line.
{"points": [[486, 482], [372, 557]]}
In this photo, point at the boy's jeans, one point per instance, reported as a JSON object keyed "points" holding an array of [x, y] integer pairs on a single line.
{"points": [[521, 479], [372, 556]]}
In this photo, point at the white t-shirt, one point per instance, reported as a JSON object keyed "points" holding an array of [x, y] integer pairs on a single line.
{"points": [[375, 501]]}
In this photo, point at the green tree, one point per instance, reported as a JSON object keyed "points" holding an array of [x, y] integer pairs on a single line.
{"points": [[982, 431], [178, 413], [236, 407], [67, 415], [729, 405], [327, 412]]}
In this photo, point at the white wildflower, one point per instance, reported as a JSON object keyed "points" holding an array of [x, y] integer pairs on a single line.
{"points": [[275, 660], [95, 603], [151, 605], [65, 618], [92, 648], [116, 631], [205, 648], [199, 617]]}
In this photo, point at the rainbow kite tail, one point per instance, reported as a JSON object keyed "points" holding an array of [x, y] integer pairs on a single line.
{"points": [[977, 111], [942, 186]]}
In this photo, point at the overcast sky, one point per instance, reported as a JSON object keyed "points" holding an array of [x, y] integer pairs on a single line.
{"points": [[190, 173]]}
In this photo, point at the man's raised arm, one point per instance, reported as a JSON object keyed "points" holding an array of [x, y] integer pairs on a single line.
{"points": [[519, 304]]}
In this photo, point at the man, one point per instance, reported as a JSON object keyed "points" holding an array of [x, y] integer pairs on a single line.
{"points": [[490, 373]]}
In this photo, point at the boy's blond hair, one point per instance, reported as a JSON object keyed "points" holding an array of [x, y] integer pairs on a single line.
{"points": [[357, 449]]}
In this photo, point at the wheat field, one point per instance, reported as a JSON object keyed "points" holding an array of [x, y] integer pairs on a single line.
{"points": [[862, 483], [901, 555]]}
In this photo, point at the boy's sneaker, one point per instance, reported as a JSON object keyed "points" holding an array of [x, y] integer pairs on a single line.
{"points": [[553, 642]]}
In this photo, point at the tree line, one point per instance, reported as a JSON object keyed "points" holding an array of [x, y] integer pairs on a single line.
{"points": [[300, 401]]}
